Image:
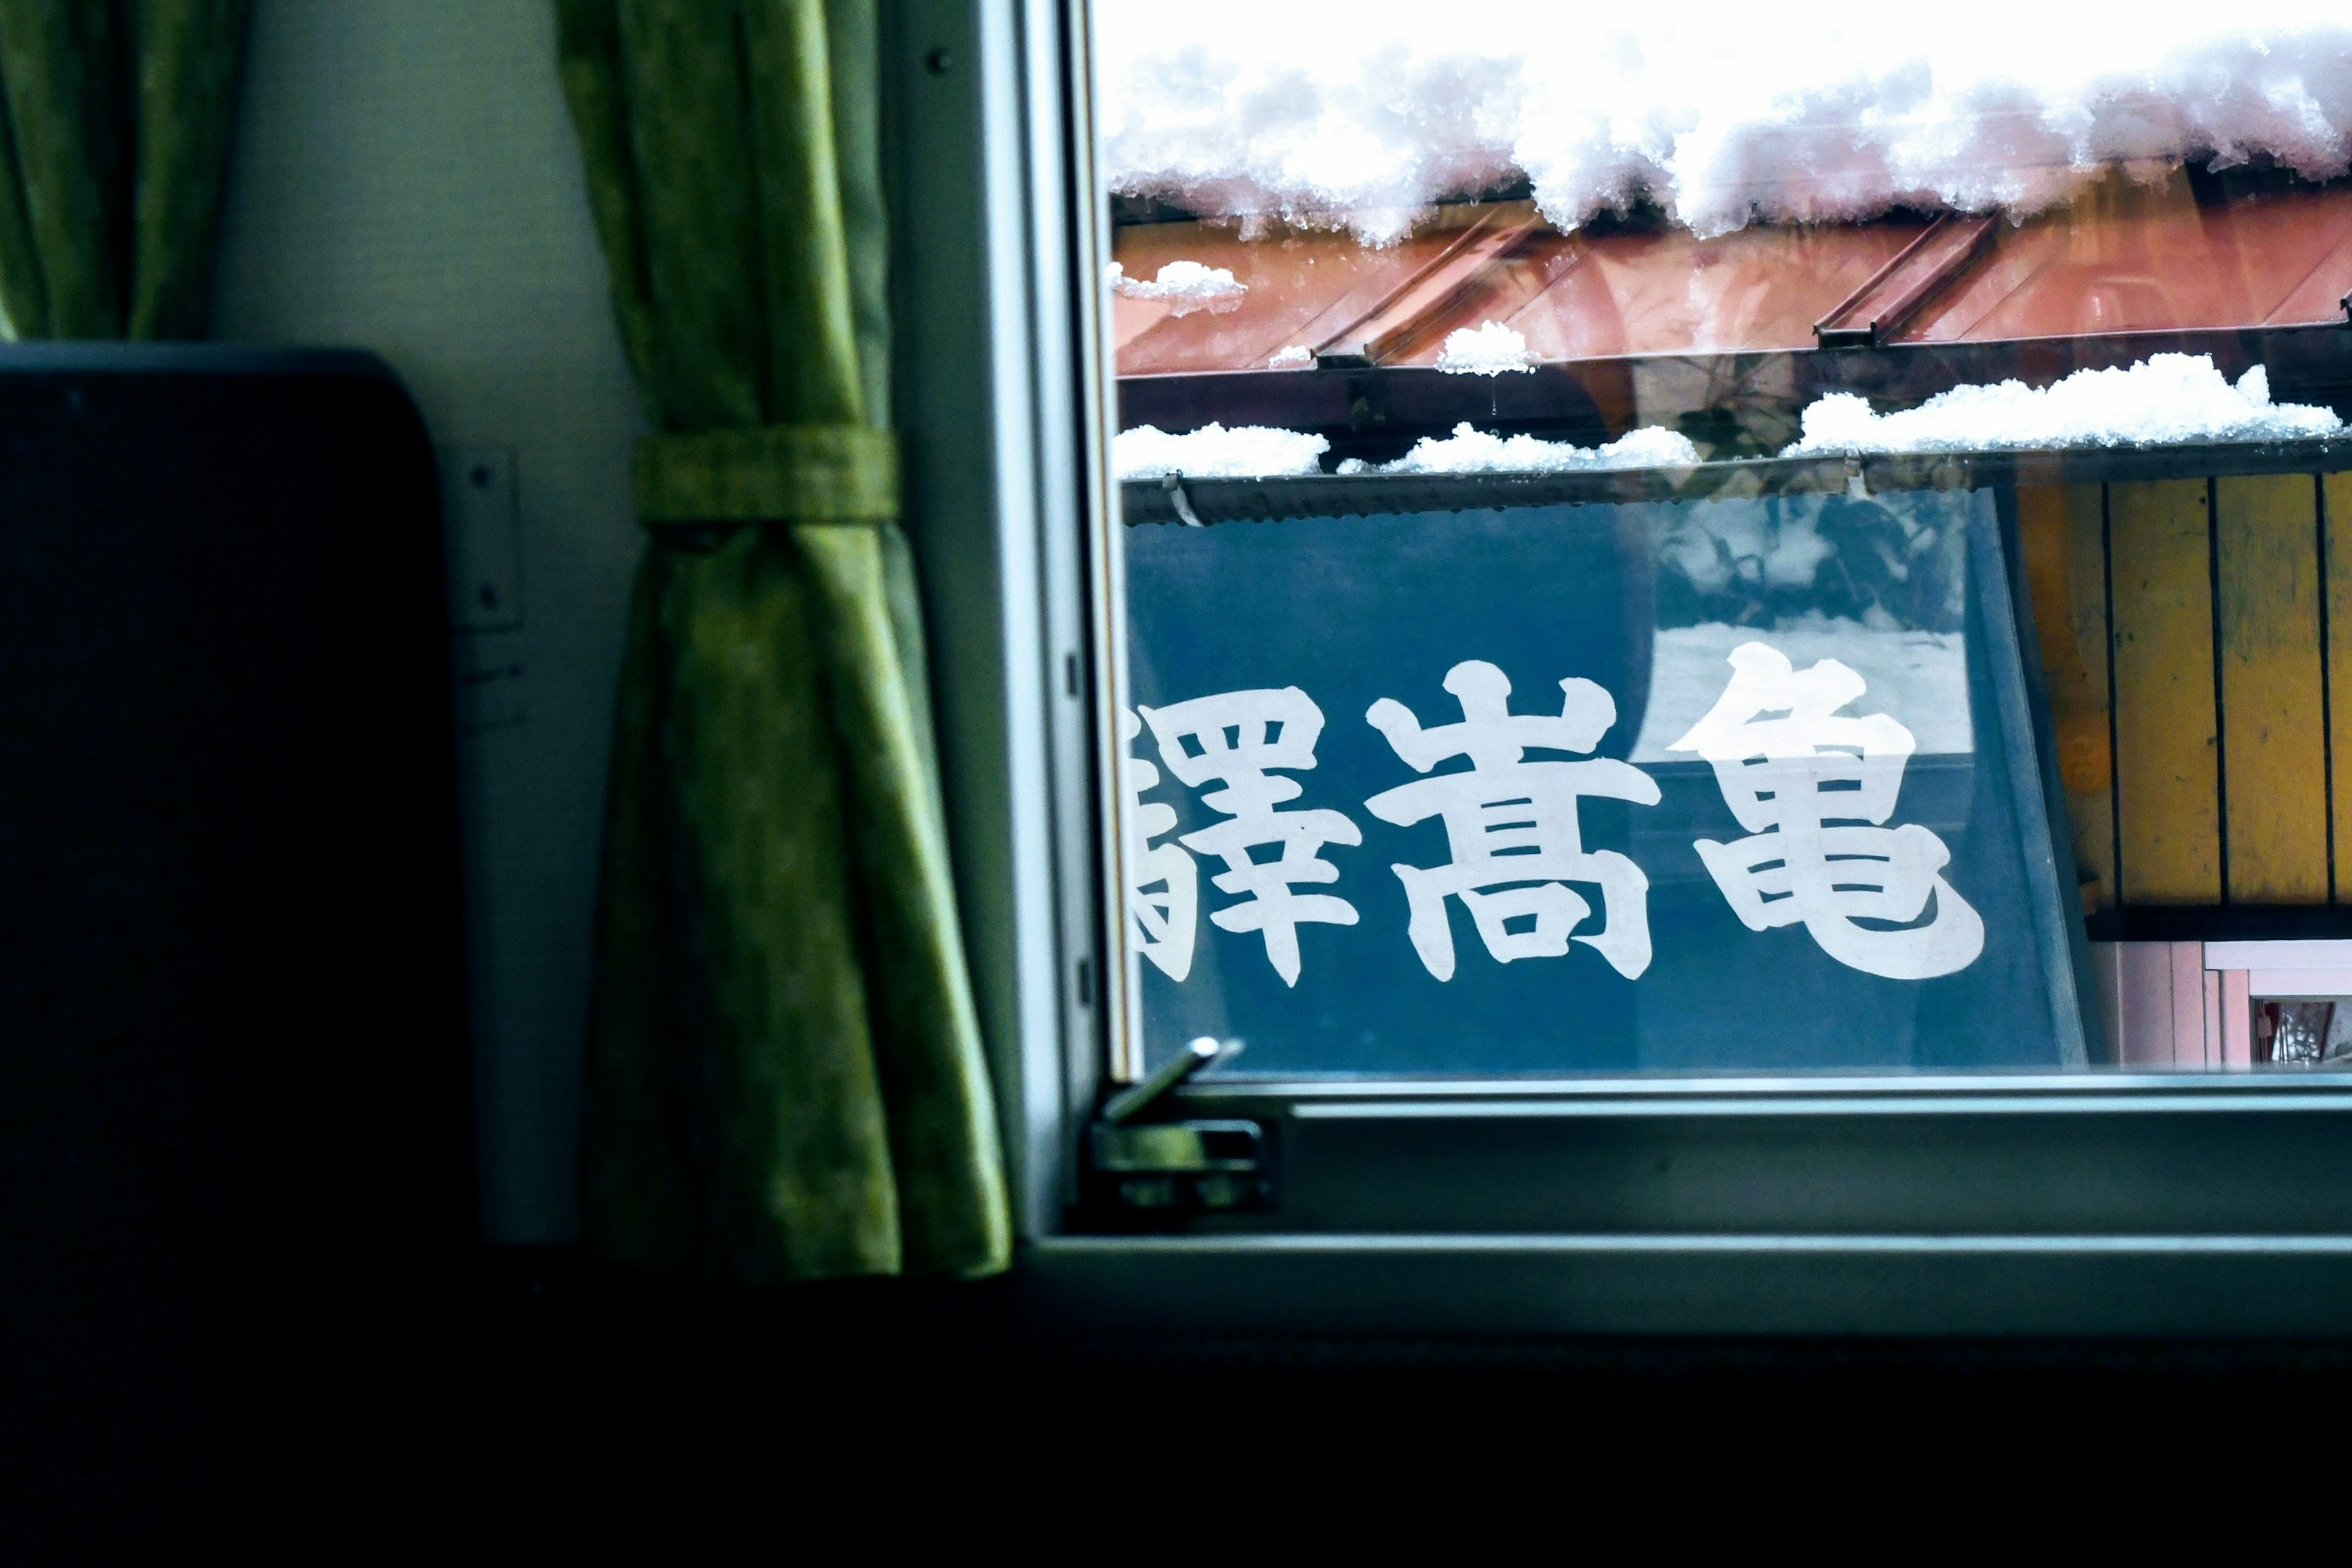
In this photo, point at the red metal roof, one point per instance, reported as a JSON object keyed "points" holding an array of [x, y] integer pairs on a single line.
{"points": [[2132, 256]]}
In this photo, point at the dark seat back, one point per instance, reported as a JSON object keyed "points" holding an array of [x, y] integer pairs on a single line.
{"points": [[234, 1129]]}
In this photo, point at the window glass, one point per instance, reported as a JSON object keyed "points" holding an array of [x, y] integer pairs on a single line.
{"points": [[1656, 545]]}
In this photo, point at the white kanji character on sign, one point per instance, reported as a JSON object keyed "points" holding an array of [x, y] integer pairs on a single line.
{"points": [[1163, 885], [1232, 739], [1788, 778], [1512, 824]]}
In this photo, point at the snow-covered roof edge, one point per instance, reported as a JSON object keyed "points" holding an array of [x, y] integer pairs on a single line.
{"points": [[1363, 114]]}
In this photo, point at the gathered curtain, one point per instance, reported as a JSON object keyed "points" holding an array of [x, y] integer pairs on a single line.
{"points": [[785, 1077], [112, 147]]}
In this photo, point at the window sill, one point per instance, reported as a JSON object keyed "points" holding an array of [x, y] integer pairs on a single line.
{"points": [[1699, 1284]]}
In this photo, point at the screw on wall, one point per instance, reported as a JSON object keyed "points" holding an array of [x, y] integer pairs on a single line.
{"points": [[481, 536]]}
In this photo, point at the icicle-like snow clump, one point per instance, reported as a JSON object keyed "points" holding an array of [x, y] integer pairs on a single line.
{"points": [[1187, 286], [1489, 348], [2163, 399], [1470, 451], [1291, 356], [1214, 452], [1361, 113]]}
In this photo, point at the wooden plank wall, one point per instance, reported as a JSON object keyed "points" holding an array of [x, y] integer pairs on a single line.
{"points": [[2063, 531], [2197, 642], [2335, 514], [2167, 760], [2273, 689]]}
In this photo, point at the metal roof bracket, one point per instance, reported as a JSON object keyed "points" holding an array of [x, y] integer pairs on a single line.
{"points": [[1874, 312], [1452, 278], [1174, 485]]}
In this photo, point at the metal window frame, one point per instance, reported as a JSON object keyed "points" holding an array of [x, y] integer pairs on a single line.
{"points": [[2128, 1203]]}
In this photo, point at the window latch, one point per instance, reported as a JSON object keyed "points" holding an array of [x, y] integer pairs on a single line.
{"points": [[1144, 1166]]}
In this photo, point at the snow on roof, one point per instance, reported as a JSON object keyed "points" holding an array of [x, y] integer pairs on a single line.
{"points": [[1489, 348], [1259, 451], [1473, 451], [2164, 398], [1362, 112], [1187, 286], [1214, 452]]}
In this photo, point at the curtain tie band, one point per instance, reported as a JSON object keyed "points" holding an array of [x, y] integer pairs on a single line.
{"points": [[770, 473]]}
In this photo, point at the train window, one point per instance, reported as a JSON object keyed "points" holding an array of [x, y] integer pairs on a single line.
{"points": [[1656, 548]]}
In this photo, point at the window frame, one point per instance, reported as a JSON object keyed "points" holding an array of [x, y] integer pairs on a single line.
{"points": [[2119, 1203]]}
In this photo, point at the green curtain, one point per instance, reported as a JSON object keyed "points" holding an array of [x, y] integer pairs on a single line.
{"points": [[785, 1077], [111, 151]]}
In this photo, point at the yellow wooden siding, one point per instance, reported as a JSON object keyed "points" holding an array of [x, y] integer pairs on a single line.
{"points": [[2273, 710], [2163, 652], [2059, 528], [2335, 497]]}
